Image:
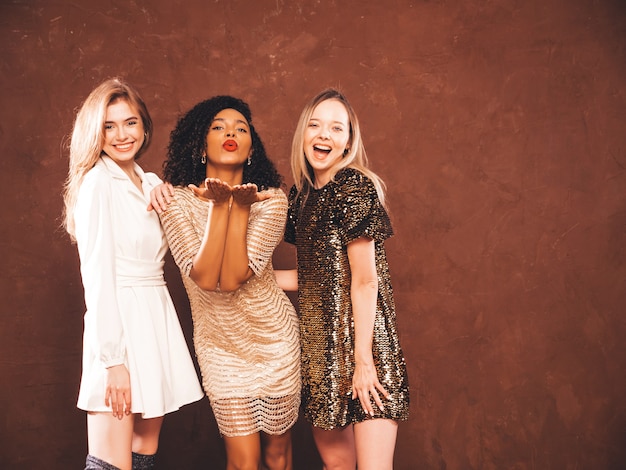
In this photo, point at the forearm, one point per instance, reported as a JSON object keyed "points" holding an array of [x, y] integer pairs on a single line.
{"points": [[287, 279], [363, 296], [235, 264], [207, 263]]}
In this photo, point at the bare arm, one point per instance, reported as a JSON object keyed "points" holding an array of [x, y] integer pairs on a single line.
{"points": [[207, 263], [363, 294], [287, 279]]}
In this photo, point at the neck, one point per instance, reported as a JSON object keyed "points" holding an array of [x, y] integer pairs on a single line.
{"points": [[232, 176]]}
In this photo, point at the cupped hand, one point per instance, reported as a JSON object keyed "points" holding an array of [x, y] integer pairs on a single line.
{"points": [[247, 194], [365, 386], [213, 189], [117, 393]]}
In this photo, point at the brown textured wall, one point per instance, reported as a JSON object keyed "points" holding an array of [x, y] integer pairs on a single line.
{"points": [[499, 127]]}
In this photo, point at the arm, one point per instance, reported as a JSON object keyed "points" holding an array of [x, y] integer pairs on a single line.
{"points": [[96, 246], [287, 279], [236, 265], [207, 263], [363, 294]]}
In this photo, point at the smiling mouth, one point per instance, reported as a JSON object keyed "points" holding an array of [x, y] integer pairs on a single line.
{"points": [[124, 147], [323, 149], [230, 145]]}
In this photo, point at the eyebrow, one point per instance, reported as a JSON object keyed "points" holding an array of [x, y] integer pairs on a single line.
{"points": [[333, 122], [236, 120], [127, 119]]}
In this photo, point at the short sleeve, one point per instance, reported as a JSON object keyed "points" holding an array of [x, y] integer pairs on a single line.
{"points": [[290, 228], [265, 230], [361, 213], [180, 229]]}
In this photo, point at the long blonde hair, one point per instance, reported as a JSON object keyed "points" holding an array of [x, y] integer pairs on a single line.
{"points": [[87, 140], [355, 158]]}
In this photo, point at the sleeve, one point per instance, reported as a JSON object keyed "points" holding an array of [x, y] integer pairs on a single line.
{"points": [[265, 231], [182, 235], [290, 228], [96, 248], [362, 214]]}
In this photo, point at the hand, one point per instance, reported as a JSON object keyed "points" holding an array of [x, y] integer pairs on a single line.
{"points": [[247, 194], [160, 197], [365, 383], [214, 189], [117, 392]]}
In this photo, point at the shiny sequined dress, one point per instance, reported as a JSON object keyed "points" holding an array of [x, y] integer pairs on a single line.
{"points": [[247, 341], [321, 228]]}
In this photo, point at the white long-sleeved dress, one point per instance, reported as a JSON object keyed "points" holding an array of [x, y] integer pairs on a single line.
{"points": [[130, 317]]}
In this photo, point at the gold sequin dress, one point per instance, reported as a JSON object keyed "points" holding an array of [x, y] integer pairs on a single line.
{"points": [[247, 341], [321, 228]]}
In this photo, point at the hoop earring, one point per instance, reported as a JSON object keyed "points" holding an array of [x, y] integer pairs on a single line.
{"points": [[249, 160], [204, 159]]}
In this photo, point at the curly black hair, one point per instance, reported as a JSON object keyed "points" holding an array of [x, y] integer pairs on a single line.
{"points": [[184, 165]]}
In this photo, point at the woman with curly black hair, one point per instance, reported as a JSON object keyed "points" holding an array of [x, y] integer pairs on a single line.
{"points": [[226, 215]]}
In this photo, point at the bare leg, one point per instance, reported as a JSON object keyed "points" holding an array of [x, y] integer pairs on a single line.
{"points": [[146, 435], [277, 451], [243, 452], [336, 447], [375, 441], [110, 438]]}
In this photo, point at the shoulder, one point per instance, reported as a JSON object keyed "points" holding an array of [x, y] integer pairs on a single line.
{"points": [[277, 194], [98, 178], [152, 179], [278, 198], [352, 180]]}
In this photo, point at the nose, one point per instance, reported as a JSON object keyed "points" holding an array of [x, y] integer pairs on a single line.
{"points": [[325, 132], [121, 133], [230, 133]]}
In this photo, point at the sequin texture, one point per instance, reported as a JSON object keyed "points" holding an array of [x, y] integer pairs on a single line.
{"points": [[321, 225], [247, 341]]}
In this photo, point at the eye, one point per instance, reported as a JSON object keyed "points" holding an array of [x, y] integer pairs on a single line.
{"points": [[108, 127], [243, 130], [217, 127], [338, 129], [132, 123], [313, 124]]}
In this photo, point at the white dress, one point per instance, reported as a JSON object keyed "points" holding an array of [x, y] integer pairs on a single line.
{"points": [[130, 317]]}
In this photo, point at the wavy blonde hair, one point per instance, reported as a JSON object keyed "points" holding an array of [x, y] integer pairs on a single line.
{"points": [[355, 157], [87, 139]]}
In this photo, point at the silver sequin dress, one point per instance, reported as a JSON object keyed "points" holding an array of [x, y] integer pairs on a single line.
{"points": [[321, 226], [247, 341]]}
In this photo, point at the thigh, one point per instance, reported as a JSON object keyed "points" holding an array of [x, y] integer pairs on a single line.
{"points": [[375, 441], [110, 438], [146, 435], [277, 450], [336, 447], [243, 451]]}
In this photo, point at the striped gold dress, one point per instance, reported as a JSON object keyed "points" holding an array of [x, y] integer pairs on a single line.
{"points": [[247, 341]]}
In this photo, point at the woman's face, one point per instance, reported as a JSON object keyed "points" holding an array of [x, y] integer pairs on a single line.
{"points": [[228, 141], [123, 132], [326, 138]]}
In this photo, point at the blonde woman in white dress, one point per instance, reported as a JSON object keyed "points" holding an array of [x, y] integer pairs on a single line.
{"points": [[136, 364]]}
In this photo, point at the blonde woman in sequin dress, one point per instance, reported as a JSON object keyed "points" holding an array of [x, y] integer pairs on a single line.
{"points": [[355, 385], [225, 218], [136, 363]]}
